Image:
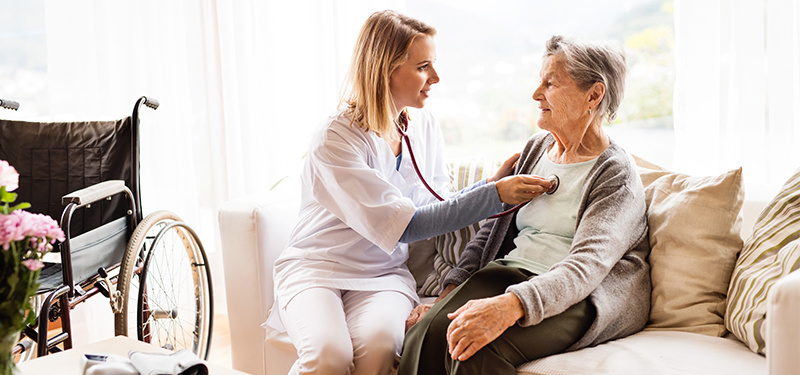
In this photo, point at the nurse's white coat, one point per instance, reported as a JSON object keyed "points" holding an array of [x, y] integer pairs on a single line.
{"points": [[355, 206]]}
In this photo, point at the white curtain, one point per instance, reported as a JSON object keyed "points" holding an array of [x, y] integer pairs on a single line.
{"points": [[241, 85], [737, 89]]}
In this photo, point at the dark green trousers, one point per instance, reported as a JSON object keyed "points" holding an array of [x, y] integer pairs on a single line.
{"points": [[425, 350]]}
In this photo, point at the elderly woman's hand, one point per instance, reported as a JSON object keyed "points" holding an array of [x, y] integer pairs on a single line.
{"points": [[521, 188], [420, 310], [417, 314], [480, 322], [507, 169]]}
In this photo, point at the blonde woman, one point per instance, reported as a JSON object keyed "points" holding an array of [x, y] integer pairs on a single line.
{"points": [[343, 290]]}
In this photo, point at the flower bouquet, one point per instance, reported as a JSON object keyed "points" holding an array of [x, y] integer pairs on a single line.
{"points": [[24, 237]]}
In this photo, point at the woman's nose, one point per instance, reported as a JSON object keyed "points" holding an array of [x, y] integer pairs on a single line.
{"points": [[537, 94], [434, 77]]}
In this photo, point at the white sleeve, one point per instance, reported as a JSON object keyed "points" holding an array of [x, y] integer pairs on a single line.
{"points": [[344, 183]]}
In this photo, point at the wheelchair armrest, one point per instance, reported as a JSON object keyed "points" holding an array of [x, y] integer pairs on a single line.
{"points": [[94, 193]]}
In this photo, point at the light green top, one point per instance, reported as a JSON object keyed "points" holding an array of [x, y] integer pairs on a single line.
{"points": [[547, 224]]}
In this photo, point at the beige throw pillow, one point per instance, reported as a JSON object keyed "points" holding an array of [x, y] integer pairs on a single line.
{"points": [[694, 234]]}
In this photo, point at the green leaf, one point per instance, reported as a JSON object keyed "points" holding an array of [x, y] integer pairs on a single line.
{"points": [[6, 196], [20, 206], [12, 281], [30, 319]]}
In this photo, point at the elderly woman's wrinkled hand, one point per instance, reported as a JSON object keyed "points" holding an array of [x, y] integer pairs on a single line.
{"points": [[507, 169], [417, 314], [521, 188], [480, 322]]}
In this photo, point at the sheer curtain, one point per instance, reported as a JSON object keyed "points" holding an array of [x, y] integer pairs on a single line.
{"points": [[737, 89], [241, 84]]}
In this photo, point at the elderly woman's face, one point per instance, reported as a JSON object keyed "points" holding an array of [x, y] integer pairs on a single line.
{"points": [[564, 106]]}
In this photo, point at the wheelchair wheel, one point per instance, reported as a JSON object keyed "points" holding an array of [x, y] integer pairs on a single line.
{"points": [[30, 345], [165, 286]]}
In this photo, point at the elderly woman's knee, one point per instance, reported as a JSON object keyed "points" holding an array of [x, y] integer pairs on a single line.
{"points": [[439, 323]]}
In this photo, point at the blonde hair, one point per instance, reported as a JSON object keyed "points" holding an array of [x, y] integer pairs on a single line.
{"points": [[381, 47]]}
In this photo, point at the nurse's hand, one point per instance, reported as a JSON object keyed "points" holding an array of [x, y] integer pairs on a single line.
{"points": [[521, 188], [507, 169], [480, 322]]}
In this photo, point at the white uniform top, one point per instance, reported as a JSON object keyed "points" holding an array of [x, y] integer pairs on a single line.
{"points": [[355, 205]]}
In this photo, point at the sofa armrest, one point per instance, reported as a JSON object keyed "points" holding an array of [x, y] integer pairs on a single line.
{"points": [[253, 231], [783, 326]]}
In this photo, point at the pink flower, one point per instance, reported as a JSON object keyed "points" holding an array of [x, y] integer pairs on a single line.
{"points": [[33, 264], [9, 229], [20, 225], [8, 176]]}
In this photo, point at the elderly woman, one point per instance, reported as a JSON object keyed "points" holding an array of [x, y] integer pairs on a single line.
{"points": [[569, 269]]}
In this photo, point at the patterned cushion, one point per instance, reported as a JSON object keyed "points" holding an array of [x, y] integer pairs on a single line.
{"points": [[771, 252], [449, 246]]}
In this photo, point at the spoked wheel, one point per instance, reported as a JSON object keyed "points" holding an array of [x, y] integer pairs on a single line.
{"points": [[165, 286]]}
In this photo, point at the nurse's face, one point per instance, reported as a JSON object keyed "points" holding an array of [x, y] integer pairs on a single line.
{"points": [[411, 82]]}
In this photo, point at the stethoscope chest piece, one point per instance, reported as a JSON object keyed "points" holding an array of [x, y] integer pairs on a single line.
{"points": [[554, 181]]}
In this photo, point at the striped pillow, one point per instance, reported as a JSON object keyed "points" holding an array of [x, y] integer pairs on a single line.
{"points": [[449, 246], [771, 252]]}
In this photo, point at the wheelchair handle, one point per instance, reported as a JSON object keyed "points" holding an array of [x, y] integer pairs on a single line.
{"points": [[10, 104], [150, 102]]}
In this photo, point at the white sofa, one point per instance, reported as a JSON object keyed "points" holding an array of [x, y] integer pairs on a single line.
{"points": [[254, 230]]}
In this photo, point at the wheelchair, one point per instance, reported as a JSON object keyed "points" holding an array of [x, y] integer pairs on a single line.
{"points": [[153, 270]]}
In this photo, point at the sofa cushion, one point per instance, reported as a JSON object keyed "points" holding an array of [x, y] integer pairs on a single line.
{"points": [[420, 260], [771, 252], [655, 353], [694, 236], [450, 245]]}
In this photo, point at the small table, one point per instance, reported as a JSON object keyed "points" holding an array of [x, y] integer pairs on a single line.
{"points": [[66, 362]]}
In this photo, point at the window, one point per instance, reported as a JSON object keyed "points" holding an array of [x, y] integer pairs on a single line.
{"points": [[23, 58], [489, 55]]}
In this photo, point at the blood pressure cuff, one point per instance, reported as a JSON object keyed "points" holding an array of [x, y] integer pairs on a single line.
{"points": [[182, 362]]}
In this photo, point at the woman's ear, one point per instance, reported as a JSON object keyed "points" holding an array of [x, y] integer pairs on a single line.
{"points": [[596, 93]]}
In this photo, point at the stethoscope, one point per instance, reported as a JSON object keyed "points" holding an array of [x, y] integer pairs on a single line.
{"points": [[553, 179]]}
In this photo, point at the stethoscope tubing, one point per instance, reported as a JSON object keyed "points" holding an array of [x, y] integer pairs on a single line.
{"points": [[430, 189], [416, 168]]}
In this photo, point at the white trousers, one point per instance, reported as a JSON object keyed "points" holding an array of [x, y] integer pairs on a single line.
{"points": [[346, 332]]}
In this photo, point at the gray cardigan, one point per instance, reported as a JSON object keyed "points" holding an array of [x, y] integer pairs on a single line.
{"points": [[607, 261]]}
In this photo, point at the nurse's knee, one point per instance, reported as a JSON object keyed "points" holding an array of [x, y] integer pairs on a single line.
{"points": [[328, 357], [377, 353], [380, 339]]}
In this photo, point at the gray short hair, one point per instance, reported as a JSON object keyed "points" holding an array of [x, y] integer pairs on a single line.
{"points": [[591, 62]]}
